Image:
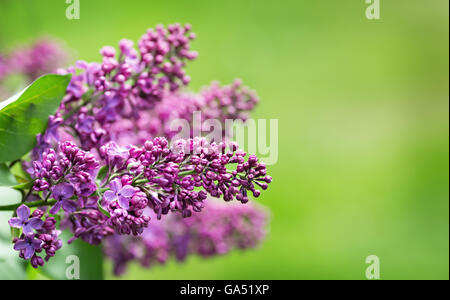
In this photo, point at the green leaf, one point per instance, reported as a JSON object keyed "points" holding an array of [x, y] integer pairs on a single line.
{"points": [[90, 258], [24, 186], [102, 173], [6, 177], [26, 114], [100, 207], [9, 196]]}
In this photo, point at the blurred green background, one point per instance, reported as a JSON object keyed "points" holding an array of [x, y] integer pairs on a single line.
{"points": [[363, 122]]}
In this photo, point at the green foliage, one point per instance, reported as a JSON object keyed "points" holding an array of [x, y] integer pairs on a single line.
{"points": [[26, 114], [6, 178], [102, 173]]}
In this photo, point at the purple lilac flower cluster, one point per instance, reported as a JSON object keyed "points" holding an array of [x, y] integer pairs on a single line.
{"points": [[220, 103], [43, 56], [126, 205], [126, 82], [3, 67], [228, 102], [169, 175], [38, 235], [101, 171], [64, 174], [217, 231], [158, 176]]}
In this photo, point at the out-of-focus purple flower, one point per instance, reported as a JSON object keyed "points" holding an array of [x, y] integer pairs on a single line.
{"points": [[24, 221], [85, 124], [220, 103], [3, 67], [41, 57], [28, 246], [62, 194], [135, 94], [54, 123], [126, 82], [216, 231]]}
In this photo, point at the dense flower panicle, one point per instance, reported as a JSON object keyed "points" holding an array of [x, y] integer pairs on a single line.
{"points": [[217, 231], [165, 178], [126, 205], [38, 234], [169, 175], [89, 224], [103, 171], [215, 102], [30, 62], [125, 82], [232, 102], [44, 56], [71, 165]]}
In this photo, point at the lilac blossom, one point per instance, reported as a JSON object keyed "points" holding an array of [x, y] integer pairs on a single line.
{"points": [[126, 205], [28, 246], [3, 67], [24, 221], [217, 231], [221, 103], [62, 194], [44, 239], [70, 164], [89, 224], [119, 193], [170, 174], [126, 82], [116, 115], [44, 56]]}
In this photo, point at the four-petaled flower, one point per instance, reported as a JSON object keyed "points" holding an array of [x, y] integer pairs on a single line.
{"points": [[28, 245], [120, 193], [62, 194], [23, 221]]}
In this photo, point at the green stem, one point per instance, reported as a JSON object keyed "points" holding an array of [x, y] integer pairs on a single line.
{"points": [[141, 181], [186, 173], [14, 162], [13, 207]]}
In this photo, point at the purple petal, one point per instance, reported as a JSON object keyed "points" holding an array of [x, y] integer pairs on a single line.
{"points": [[115, 185], [67, 190], [23, 212], [37, 244], [127, 191], [54, 210], [124, 202], [21, 244], [36, 223], [15, 222], [27, 229], [69, 206], [29, 251], [109, 196], [62, 191]]}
